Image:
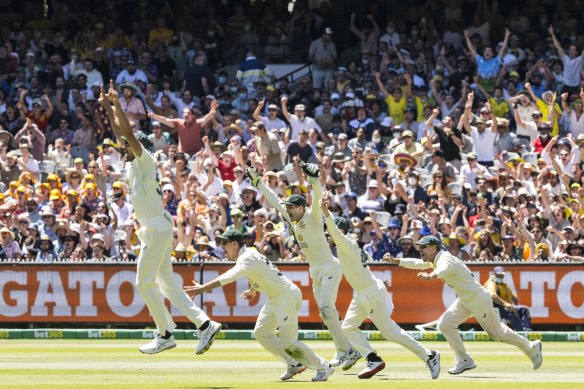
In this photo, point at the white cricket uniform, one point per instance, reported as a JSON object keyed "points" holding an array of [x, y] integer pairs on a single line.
{"points": [[154, 273], [325, 270], [473, 300], [280, 312], [369, 300]]}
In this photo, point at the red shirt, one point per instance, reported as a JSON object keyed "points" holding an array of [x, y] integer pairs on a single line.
{"points": [[226, 170], [539, 144], [189, 136]]}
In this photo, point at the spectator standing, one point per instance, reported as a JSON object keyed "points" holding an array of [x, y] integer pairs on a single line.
{"points": [[323, 56], [252, 70]]}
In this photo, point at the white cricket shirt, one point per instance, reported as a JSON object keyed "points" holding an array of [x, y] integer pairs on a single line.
{"points": [[352, 259], [452, 271], [261, 273], [308, 231], [145, 192]]}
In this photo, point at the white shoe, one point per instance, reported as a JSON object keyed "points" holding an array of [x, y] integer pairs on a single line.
{"points": [[462, 366], [324, 374], [158, 344], [339, 358], [350, 359], [207, 336], [371, 369], [424, 328], [536, 357], [434, 364], [291, 371]]}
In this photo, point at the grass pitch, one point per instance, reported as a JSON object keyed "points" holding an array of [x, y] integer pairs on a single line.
{"points": [[244, 364]]}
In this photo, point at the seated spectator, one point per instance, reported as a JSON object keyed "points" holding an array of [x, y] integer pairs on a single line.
{"points": [[517, 316]]}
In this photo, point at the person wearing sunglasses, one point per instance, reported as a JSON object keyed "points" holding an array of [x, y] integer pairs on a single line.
{"points": [[473, 301]]}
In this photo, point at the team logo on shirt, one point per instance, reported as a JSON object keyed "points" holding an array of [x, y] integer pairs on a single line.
{"points": [[300, 238]]}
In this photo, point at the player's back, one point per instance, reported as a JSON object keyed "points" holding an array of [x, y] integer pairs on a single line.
{"points": [[143, 181], [311, 239], [456, 275], [263, 275]]}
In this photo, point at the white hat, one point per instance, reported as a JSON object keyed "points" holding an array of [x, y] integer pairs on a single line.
{"points": [[335, 96], [169, 187], [386, 122], [75, 227], [98, 237]]}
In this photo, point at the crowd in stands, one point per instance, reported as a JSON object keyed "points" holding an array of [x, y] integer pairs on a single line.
{"points": [[460, 119]]}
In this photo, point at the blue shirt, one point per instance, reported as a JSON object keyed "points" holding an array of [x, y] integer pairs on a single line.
{"points": [[488, 68], [383, 246]]}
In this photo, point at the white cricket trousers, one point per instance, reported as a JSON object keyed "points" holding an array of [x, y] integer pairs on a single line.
{"points": [[480, 306], [375, 303], [281, 313], [325, 286], [155, 276]]}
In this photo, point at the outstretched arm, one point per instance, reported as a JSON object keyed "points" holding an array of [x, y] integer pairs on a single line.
{"points": [[505, 42], [123, 122], [471, 48], [106, 104], [557, 43]]}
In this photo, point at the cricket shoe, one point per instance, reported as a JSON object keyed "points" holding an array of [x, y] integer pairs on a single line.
{"points": [[291, 371], [433, 363], [462, 366], [207, 336], [339, 358], [372, 368], [350, 359], [158, 344], [536, 357], [426, 327], [324, 374]]}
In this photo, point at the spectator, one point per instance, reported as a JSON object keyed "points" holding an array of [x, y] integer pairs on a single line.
{"points": [[323, 56], [506, 302]]}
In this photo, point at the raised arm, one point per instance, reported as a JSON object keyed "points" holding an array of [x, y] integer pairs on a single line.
{"points": [[354, 28], [106, 104], [471, 48], [209, 116], [504, 47], [283, 102], [124, 123], [435, 93], [162, 119], [256, 113], [380, 85], [557, 43]]}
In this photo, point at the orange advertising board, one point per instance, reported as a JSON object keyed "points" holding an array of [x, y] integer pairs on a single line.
{"points": [[94, 293]]}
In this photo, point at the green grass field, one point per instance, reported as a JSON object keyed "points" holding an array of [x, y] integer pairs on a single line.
{"points": [[244, 364]]}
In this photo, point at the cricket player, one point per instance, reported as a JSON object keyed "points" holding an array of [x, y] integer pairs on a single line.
{"points": [[473, 300], [154, 273], [280, 312], [325, 271], [369, 300]]}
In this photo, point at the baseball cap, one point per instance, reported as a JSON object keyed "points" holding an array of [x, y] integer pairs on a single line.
{"points": [[499, 270], [295, 199], [407, 133], [236, 212], [352, 195], [429, 240], [299, 107], [169, 187], [230, 236]]}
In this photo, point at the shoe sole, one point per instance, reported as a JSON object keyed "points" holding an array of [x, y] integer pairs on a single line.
{"points": [[298, 372], [371, 373], [540, 347], [438, 363], [347, 367], [159, 351], [462, 371], [210, 342]]}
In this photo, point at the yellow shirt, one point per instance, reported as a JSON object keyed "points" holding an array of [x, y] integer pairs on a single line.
{"points": [[545, 115], [397, 109], [502, 290], [501, 108]]}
